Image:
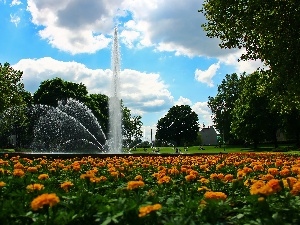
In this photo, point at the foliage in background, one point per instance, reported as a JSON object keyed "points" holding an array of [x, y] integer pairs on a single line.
{"points": [[268, 31], [179, 125], [252, 116], [223, 103]]}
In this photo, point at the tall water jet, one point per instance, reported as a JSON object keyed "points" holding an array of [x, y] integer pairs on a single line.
{"points": [[115, 115]]}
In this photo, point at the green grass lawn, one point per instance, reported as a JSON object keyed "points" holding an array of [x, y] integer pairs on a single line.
{"points": [[207, 149]]}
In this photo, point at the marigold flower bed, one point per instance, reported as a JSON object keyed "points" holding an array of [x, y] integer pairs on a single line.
{"points": [[181, 189]]}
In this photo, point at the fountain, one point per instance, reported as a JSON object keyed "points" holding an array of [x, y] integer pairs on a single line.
{"points": [[69, 127], [115, 115], [72, 128]]}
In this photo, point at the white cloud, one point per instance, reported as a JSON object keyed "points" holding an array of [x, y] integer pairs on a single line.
{"points": [[77, 26], [183, 101], [204, 113], [141, 92], [15, 2], [241, 66], [15, 19], [205, 76], [74, 26]]}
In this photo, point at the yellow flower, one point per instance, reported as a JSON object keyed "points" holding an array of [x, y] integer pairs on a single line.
{"points": [[145, 210], [66, 185], [2, 184], [135, 184], [44, 200], [43, 176], [34, 187]]}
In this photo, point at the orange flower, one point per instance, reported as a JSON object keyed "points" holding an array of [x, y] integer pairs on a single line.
{"points": [[190, 177], [215, 195], [43, 176], [228, 177], [18, 166], [135, 184], [138, 177], [145, 210], [247, 170], [66, 185], [164, 179], [32, 169], [258, 168], [285, 172], [114, 174], [34, 187], [44, 200], [173, 171], [203, 188], [204, 180], [296, 189], [267, 177], [273, 171], [18, 173], [89, 174], [2, 184], [255, 188], [260, 188], [275, 185]]}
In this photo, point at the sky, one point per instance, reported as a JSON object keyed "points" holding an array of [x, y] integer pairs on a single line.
{"points": [[166, 58]]}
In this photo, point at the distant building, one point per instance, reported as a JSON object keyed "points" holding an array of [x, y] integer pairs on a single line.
{"points": [[209, 136]]}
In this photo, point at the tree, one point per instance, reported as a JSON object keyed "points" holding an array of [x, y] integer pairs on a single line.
{"points": [[269, 31], [180, 125], [223, 103], [252, 117], [11, 87], [132, 126], [98, 103], [13, 102], [51, 91]]}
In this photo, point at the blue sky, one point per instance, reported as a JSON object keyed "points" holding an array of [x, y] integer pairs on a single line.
{"points": [[166, 59]]}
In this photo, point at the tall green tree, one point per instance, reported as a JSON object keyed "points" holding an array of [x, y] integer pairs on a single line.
{"points": [[223, 103], [132, 127], [268, 31], [11, 87], [51, 91], [179, 125], [13, 102], [252, 116], [98, 103]]}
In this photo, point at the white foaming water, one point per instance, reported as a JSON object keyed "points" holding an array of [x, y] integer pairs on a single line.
{"points": [[115, 114]]}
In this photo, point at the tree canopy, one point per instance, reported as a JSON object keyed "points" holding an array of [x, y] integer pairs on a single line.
{"points": [[11, 87], [223, 103], [179, 125], [252, 117], [268, 31], [132, 127], [51, 91]]}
